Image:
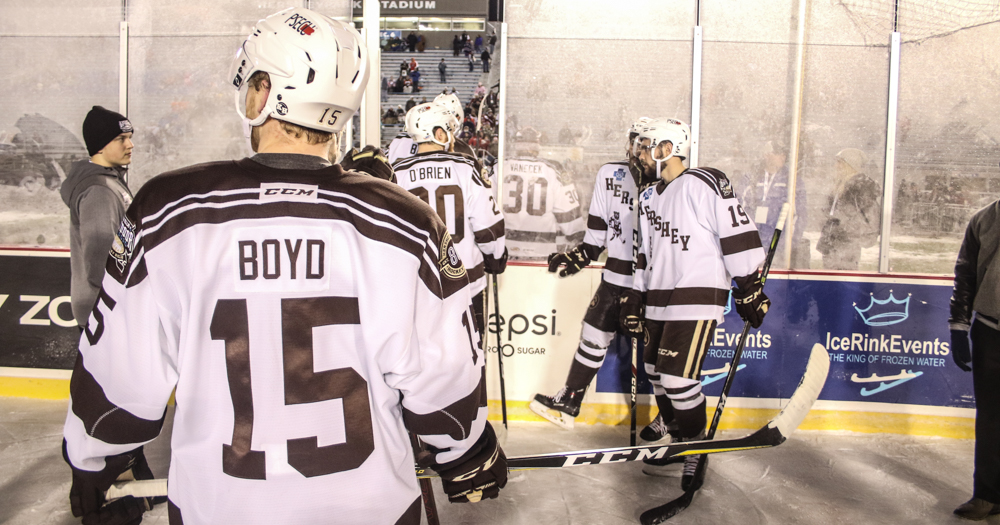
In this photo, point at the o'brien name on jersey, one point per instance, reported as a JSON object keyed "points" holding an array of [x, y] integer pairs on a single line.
{"points": [[271, 258], [430, 172]]}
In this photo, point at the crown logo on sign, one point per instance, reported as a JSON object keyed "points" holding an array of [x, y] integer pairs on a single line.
{"points": [[885, 312]]}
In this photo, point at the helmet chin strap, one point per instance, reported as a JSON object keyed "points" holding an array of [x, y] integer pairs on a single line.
{"points": [[659, 162], [451, 138]]}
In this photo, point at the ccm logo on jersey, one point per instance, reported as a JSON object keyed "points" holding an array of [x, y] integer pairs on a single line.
{"points": [[271, 191], [666, 231]]}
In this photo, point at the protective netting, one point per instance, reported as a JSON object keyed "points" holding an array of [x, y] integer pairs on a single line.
{"points": [[918, 20]]}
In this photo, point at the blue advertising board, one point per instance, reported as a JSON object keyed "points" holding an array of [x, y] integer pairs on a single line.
{"points": [[888, 343]]}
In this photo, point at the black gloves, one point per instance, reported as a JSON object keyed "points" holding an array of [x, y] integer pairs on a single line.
{"points": [[630, 312], [493, 265], [479, 474], [960, 350], [86, 496], [751, 303], [574, 260], [371, 161]]}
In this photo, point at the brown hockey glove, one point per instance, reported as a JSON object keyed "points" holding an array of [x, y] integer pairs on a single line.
{"points": [[631, 312], [573, 260], [371, 161], [477, 475], [751, 303], [86, 496], [494, 265]]}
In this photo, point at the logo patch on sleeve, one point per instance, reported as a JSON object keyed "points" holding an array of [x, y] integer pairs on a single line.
{"points": [[124, 244], [726, 188], [449, 262]]}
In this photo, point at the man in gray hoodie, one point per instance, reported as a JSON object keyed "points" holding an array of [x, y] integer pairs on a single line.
{"points": [[97, 194]]}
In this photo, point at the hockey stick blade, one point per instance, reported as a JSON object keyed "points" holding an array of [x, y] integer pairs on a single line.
{"points": [[771, 435], [797, 408]]}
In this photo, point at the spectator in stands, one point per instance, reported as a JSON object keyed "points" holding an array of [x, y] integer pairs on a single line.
{"points": [[472, 62], [763, 189], [400, 112], [385, 85], [410, 103], [413, 64], [443, 69], [454, 91], [421, 43], [480, 91], [493, 42], [389, 117], [403, 68], [467, 48], [854, 220], [456, 45], [465, 37], [415, 75], [479, 43], [411, 41], [486, 60]]}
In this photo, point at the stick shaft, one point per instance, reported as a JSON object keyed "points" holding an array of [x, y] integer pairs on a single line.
{"points": [[503, 388]]}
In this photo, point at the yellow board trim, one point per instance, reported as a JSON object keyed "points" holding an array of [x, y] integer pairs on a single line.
{"points": [[34, 388], [754, 418]]}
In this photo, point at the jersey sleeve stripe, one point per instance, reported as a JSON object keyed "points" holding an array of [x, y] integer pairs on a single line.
{"points": [[455, 420], [640, 262], [525, 236], [618, 266], [103, 419], [565, 217], [707, 179], [596, 223], [476, 272], [740, 242], [687, 296], [575, 238], [490, 234]]}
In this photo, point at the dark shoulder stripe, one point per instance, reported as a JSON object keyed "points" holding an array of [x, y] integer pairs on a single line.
{"points": [[436, 157], [716, 179], [740, 242]]}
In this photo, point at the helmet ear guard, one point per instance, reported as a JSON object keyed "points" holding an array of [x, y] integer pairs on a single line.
{"points": [[423, 119], [661, 130]]}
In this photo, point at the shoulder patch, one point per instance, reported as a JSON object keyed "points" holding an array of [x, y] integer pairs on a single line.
{"points": [[123, 244], [716, 180], [449, 262]]}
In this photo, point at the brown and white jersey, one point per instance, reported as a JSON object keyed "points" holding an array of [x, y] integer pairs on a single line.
{"points": [[694, 238], [541, 207], [307, 319], [610, 223], [453, 186], [401, 147]]}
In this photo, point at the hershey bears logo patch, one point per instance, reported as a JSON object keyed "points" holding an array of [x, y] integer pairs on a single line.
{"points": [[124, 244], [449, 262], [726, 188]]}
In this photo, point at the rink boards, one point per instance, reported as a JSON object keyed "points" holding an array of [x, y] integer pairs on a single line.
{"points": [[891, 365]]}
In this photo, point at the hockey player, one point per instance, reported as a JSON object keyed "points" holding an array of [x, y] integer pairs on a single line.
{"points": [[403, 145], [451, 184], [609, 225], [540, 204], [695, 239], [307, 317]]}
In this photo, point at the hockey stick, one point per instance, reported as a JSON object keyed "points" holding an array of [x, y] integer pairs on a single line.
{"points": [[771, 435], [634, 339], [503, 391], [426, 490], [670, 509]]}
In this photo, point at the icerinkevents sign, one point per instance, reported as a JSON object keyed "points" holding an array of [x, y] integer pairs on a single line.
{"points": [[428, 7]]}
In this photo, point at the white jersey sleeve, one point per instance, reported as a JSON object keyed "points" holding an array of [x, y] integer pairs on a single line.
{"points": [[306, 318], [401, 147], [610, 222]]}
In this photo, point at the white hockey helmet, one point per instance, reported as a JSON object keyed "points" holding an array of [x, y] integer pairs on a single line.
{"points": [[423, 119], [451, 102], [666, 130], [633, 131], [318, 69]]}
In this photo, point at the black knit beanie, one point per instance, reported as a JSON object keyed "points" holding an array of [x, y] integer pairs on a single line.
{"points": [[101, 127]]}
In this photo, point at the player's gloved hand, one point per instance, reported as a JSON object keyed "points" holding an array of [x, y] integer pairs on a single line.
{"points": [[751, 303], [477, 475], [371, 161], [573, 260], [631, 312], [494, 265], [86, 496], [960, 350]]}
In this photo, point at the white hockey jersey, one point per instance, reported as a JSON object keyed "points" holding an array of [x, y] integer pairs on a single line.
{"points": [[401, 147], [303, 316], [453, 186], [542, 209], [695, 237], [610, 223]]}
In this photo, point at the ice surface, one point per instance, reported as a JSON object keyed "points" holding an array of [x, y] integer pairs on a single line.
{"points": [[815, 478]]}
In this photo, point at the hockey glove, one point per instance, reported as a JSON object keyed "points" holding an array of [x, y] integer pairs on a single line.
{"points": [[960, 350], [574, 260], [371, 161], [751, 303], [493, 265], [631, 313], [477, 475], [86, 496]]}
